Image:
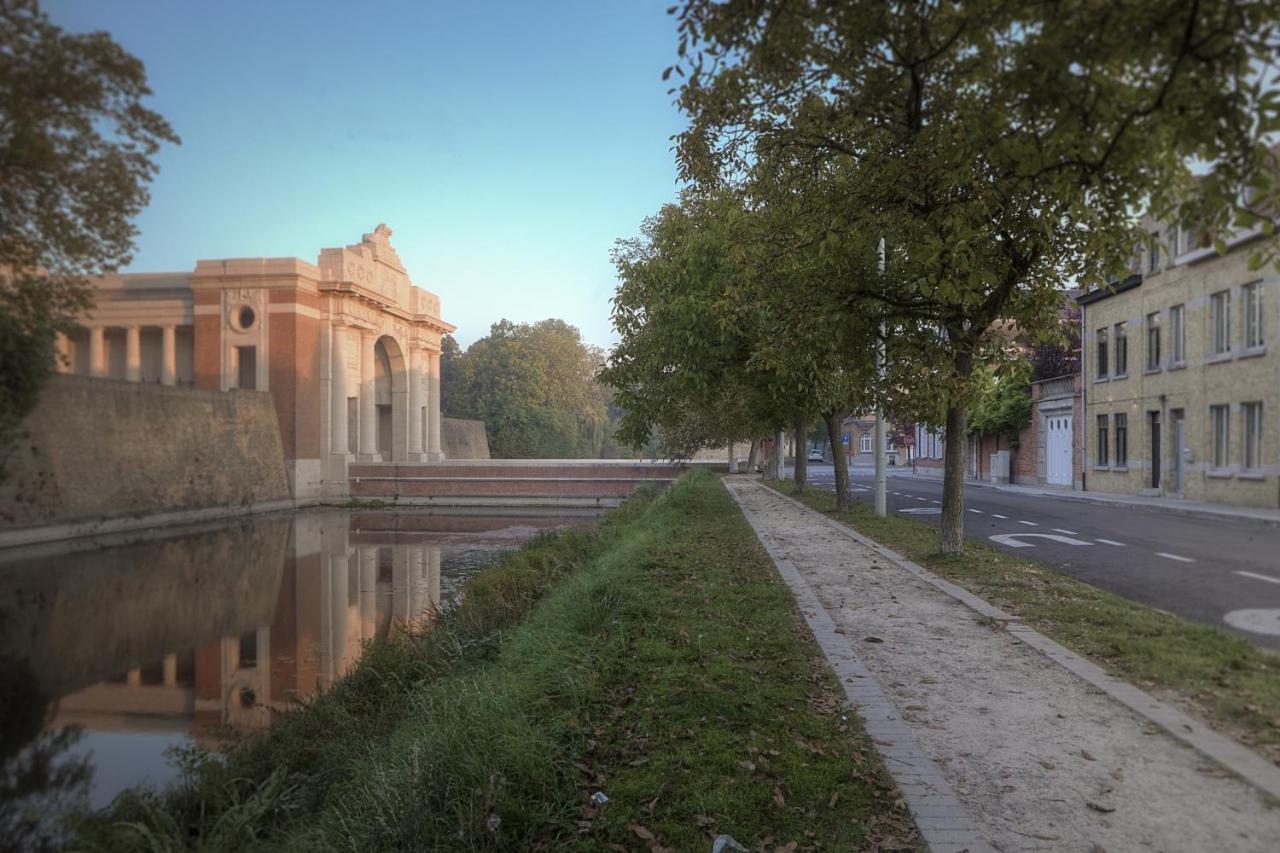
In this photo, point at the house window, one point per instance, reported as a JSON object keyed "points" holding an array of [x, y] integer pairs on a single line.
{"points": [[1103, 442], [1220, 321], [1175, 241], [1220, 419], [1253, 315], [1122, 440], [1178, 333], [1252, 413], [1102, 353], [1122, 349], [1153, 252], [1153, 341], [864, 443]]}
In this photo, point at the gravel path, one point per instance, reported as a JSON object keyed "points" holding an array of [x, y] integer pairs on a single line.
{"points": [[1042, 760]]}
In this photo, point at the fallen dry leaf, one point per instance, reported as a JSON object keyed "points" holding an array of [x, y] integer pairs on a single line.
{"points": [[640, 831], [778, 798]]}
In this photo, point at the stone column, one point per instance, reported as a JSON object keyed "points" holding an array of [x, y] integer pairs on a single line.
{"points": [[133, 354], [97, 351], [169, 356], [170, 670], [435, 453], [62, 363], [368, 401], [368, 591], [339, 444], [401, 587], [339, 606], [415, 404]]}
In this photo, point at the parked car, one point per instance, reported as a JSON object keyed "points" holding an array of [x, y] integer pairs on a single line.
{"points": [[815, 456]]}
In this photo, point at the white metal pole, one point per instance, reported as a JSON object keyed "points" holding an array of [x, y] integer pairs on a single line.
{"points": [[878, 444]]}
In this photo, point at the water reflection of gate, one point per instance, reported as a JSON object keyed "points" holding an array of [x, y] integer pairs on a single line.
{"points": [[336, 595]]}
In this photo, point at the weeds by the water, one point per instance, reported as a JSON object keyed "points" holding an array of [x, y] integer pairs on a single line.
{"points": [[1226, 678], [658, 661]]}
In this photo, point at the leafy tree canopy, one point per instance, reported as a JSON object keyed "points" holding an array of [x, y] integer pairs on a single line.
{"points": [[77, 151]]}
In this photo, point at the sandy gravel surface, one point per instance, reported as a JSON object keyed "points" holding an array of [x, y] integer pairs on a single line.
{"points": [[1043, 760]]}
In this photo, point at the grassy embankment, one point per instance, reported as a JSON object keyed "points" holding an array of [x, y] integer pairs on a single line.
{"points": [[658, 659], [1227, 679]]}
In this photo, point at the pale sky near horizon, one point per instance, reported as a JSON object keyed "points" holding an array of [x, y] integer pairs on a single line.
{"points": [[506, 144]]}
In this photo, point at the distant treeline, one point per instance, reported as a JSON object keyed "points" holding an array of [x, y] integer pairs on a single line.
{"points": [[534, 385]]}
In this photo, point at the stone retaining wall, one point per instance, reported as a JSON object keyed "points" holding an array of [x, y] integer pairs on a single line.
{"points": [[101, 449], [464, 439]]}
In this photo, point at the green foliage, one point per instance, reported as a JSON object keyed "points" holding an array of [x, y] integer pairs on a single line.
{"points": [[1003, 148], [1002, 404], [76, 154], [535, 388]]}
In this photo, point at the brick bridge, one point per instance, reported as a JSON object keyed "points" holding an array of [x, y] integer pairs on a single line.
{"points": [[568, 484]]}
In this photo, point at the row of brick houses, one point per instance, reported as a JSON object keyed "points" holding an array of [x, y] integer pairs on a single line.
{"points": [[1178, 392]]}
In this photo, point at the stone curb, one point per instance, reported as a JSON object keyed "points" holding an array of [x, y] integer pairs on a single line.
{"points": [[943, 821], [1244, 762], [126, 524]]}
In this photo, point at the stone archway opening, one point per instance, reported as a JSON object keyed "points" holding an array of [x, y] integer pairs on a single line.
{"points": [[391, 391]]}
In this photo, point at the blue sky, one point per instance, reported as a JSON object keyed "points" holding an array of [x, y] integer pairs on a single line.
{"points": [[508, 144]]}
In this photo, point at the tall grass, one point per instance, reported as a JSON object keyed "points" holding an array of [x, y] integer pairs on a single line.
{"points": [[658, 660]]}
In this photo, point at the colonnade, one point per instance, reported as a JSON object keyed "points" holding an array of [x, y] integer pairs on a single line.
{"points": [[97, 360]]}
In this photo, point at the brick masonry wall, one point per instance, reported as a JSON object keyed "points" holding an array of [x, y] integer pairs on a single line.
{"points": [[100, 448], [464, 439]]}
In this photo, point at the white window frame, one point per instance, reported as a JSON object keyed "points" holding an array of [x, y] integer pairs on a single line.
{"points": [[1220, 322], [1153, 335], [1178, 334], [1251, 433], [1253, 317], [865, 443], [1120, 349], [1220, 436]]}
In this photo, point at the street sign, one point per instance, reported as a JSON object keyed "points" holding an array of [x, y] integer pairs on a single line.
{"points": [[844, 439], [908, 440]]}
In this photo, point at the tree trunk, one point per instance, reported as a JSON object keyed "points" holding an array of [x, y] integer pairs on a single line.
{"points": [[733, 459], [952, 539], [841, 460], [775, 461], [802, 456]]}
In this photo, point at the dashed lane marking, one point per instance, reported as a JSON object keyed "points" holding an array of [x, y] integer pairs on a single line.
{"points": [[998, 515], [1068, 532], [978, 511], [1111, 542], [1266, 578], [1028, 523], [922, 499], [1177, 557], [932, 501]]}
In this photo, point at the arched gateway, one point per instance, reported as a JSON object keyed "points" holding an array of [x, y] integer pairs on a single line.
{"points": [[348, 347]]}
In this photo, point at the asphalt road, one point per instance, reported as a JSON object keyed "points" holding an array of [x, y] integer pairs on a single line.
{"points": [[1217, 570]]}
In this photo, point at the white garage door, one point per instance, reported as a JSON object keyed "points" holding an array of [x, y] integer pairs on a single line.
{"points": [[1057, 450]]}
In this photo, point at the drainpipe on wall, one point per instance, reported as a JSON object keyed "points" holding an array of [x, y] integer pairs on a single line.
{"points": [[1084, 400]]}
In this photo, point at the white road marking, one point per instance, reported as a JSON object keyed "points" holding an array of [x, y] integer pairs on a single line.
{"points": [[921, 510], [1014, 540], [934, 502], [922, 499], [1266, 578], [1028, 523], [1068, 532], [1255, 621], [1174, 557], [998, 515], [978, 511], [1111, 542]]}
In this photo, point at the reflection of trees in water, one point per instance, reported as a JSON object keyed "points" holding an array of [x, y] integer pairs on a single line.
{"points": [[38, 781]]}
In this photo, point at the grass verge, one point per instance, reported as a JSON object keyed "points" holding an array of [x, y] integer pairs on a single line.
{"points": [[659, 660], [1228, 680]]}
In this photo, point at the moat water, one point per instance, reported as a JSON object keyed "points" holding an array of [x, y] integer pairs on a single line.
{"points": [[115, 656]]}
